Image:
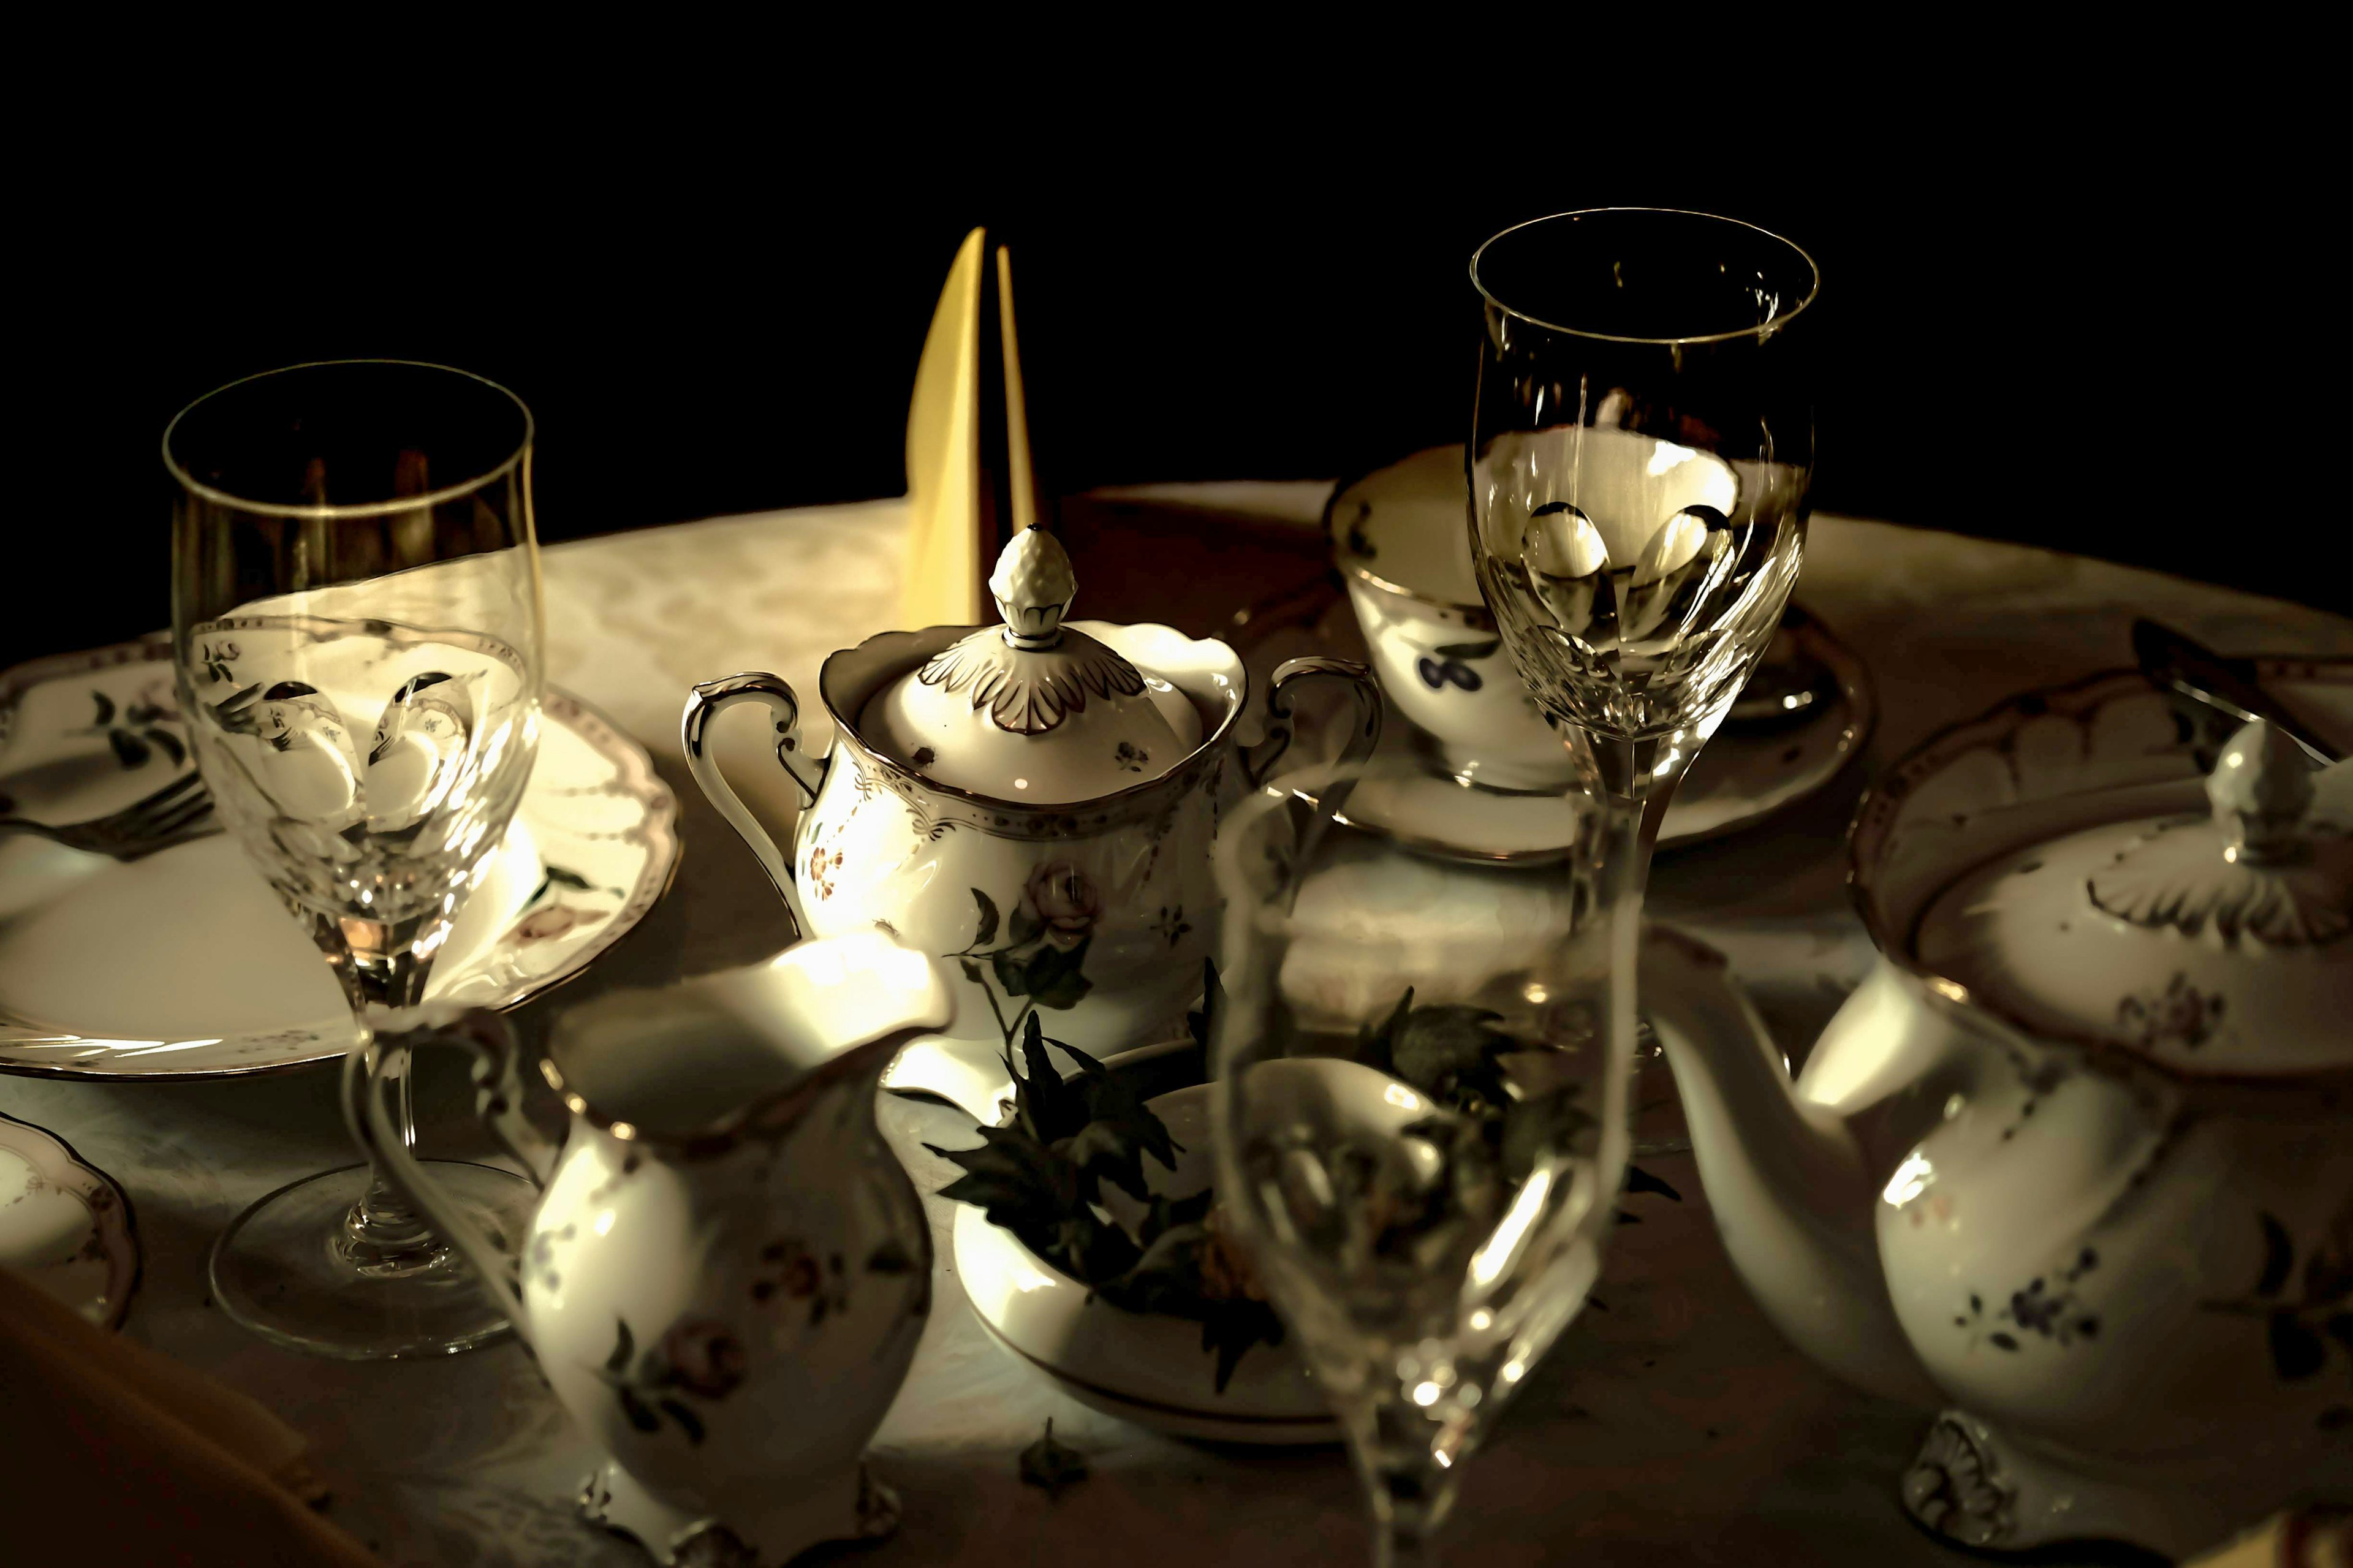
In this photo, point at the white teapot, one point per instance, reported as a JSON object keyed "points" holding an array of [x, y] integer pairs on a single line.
{"points": [[728, 1272], [1034, 802], [2075, 1164]]}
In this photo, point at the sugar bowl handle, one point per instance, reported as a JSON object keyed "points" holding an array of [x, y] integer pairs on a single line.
{"points": [[1363, 732], [706, 703]]}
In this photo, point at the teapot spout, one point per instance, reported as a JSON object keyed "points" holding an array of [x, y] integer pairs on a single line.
{"points": [[1785, 1179]]}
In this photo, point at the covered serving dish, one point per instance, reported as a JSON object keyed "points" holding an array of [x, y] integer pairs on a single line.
{"points": [[1034, 802], [2075, 1164]]}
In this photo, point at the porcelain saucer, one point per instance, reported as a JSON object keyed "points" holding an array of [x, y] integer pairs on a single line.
{"points": [[66, 1224], [1152, 1369], [1409, 796], [184, 964]]}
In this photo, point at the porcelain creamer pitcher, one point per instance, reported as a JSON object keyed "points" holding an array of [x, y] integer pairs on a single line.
{"points": [[728, 1271], [1033, 802], [2075, 1164]]}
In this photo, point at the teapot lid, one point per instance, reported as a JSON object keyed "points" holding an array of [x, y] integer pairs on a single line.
{"points": [[2215, 941], [1036, 708]]}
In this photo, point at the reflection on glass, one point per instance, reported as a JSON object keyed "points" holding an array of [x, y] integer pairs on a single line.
{"points": [[1420, 1135], [1642, 446], [356, 631]]}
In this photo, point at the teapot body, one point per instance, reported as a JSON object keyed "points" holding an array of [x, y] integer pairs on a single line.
{"points": [[2133, 1290], [1099, 913], [731, 1326], [2098, 1089], [2072, 1164]]}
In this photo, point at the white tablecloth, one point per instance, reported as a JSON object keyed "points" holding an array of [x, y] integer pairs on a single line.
{"points": [[1674, 1427]]}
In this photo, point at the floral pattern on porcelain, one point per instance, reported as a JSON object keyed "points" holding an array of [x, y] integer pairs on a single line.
{"points": [[1072, 920], [734, 1353], [2118, 1215], [728, 1273], [1106, 879], [2121, 1255], [92, 1261], [2180, 1015]]}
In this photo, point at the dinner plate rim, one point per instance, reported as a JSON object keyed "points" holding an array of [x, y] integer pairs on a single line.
{"points": [[641, 781]]}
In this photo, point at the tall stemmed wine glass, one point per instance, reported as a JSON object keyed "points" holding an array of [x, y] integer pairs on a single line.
{"points": [[1642, 446], [1420, 1137], [356, 629]]}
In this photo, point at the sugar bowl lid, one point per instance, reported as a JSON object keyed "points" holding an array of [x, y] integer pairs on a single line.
{"points": [[1036, 708], [2217, 942]]}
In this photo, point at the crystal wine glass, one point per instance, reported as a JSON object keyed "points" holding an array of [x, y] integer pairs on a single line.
{"points": [[1420, 1135], [356, 630], [1642, 446]]}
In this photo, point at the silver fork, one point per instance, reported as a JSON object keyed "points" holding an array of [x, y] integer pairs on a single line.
{"points": [[179, 811]]}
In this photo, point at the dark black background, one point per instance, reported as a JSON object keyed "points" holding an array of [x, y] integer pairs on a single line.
{"points": [[2066, 329]]}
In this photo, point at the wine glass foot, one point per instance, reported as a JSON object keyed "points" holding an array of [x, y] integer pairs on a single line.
{"points": [[293, 1270]]}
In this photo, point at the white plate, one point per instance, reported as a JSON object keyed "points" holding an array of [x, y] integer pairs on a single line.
{"points": [[185, 964], [1742, 776], [65, 1224]]}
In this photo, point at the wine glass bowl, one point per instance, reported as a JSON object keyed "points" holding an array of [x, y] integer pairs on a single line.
{"points": [[1426, 1176], [366, 767], [356, 636], [357, 612], [1643, 446], [1419, 1137]]}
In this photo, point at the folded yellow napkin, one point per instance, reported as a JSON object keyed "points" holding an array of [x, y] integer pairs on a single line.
{"points": [[970, 485], [110, 1453]]}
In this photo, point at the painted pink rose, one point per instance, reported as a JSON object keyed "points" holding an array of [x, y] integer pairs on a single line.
{"points": [[1064, 901], [705, 1357], [543, 925]]}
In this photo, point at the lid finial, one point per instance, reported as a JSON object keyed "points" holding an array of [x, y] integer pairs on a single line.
{"points": [[1034, 586], [2282, 878], [2261, 788]]}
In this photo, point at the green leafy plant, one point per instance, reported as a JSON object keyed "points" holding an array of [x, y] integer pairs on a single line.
{"points": [[1042, 1178], [1042, 960]]}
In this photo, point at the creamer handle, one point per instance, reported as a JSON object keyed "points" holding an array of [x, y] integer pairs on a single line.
{"points": [[378, 1063]]}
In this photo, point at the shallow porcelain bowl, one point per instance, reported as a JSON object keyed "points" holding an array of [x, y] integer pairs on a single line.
{"points": [[1143, 1368]]}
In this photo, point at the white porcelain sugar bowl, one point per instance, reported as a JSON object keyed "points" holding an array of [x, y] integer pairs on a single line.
{"points": [[2075, 1164], [1033, 802]]}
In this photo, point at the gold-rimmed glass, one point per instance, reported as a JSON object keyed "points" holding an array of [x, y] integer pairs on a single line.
{"points": [[356, 633], [1642, 448]]}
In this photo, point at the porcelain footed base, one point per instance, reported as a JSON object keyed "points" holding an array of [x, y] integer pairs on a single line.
{"points": [[847, 1505], [1980, 1490]]}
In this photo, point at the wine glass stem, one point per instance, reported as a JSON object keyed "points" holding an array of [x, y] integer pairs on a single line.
{"points": [[384, 971], [1408, 1462], [1403, 1545], [1636, 780]]}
